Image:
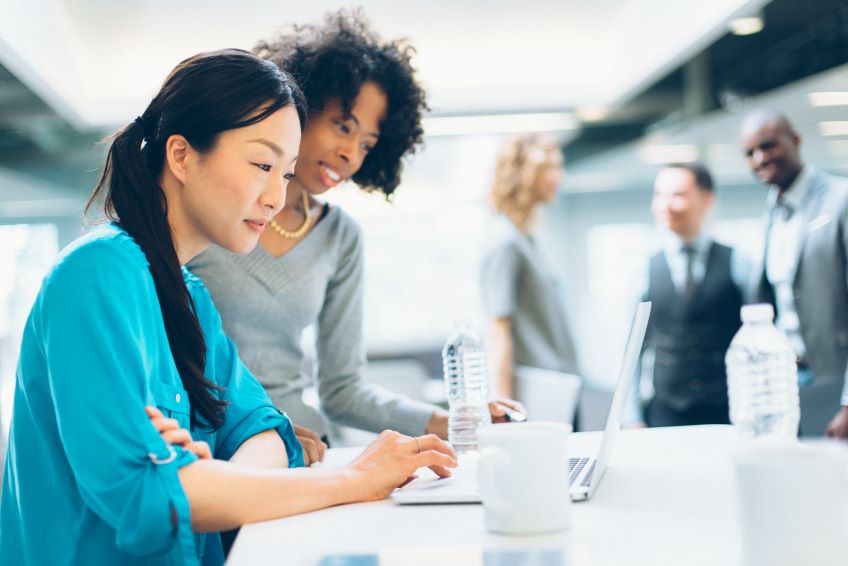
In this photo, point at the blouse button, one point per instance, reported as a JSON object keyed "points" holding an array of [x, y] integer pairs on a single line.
{"points": [[177, 398]]}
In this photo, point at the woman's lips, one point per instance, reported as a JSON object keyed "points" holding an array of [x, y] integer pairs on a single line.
{"points": [[256, 225], [329, 177]]}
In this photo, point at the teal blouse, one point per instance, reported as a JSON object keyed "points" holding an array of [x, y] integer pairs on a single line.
{"points": [[88, 480]]}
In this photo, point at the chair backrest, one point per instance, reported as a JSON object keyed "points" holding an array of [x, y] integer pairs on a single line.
{"points": [[547, 395]]}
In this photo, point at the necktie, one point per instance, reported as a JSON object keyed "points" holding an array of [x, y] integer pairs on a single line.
{"points": [[689, 283]]}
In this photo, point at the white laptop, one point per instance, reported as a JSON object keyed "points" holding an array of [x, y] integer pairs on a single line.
{"points": [[586, 471]]}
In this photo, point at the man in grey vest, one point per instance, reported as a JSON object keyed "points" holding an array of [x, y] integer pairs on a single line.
{"points": [[803, 271], [696, 287]]}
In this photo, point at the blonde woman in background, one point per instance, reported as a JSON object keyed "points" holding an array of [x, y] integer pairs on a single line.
{"points": [[527, 325]]}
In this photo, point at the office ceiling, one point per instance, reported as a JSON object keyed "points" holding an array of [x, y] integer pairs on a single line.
{"points": [[800, 39], [713, 138], [97, 62], [71, 70]]}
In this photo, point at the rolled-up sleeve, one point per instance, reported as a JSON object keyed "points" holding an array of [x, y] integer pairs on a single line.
{"points": [[249, 408], [97, 340]]}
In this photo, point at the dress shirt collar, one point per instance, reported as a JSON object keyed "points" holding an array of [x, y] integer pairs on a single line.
{"points": [[793, 198], [673, 244]]}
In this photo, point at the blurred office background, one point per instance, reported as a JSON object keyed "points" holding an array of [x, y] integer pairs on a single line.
{"points": [[627, 85]]}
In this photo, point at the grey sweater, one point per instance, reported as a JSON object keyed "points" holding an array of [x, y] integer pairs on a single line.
{"points": [[267, 302]]}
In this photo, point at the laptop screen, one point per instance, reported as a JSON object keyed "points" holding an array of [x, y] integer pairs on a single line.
{"points": [[622, 389]]}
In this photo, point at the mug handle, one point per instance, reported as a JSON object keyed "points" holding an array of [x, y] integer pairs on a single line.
{"points": [[490, 459]]}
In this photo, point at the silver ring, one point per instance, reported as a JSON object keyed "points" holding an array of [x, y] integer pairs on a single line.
{"points": [[419, 444]]}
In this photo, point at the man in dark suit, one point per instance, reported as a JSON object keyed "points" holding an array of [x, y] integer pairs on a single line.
{"points": [[696, 286], [804, 272]]}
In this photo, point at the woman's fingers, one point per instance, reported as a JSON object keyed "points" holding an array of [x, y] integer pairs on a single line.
{"points": [[153, 412], [171, 433], [434, 453], [200, 448], [437, 455], [160, 422], [310, 450], [432, 442], [310, 437], [505, 410], [512, 404], [441, 471], [163, 424], [178, 436], [307, 432], [437, 461], [496, 409]]}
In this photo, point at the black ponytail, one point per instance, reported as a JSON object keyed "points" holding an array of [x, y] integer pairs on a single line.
{"points": [[203, 96]]}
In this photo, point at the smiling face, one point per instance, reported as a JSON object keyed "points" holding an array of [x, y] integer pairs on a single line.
{"points": [[227, 195], [772, 151], [679, 204], [334, 146]]}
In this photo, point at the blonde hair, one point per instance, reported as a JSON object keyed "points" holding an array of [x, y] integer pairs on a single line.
{"points": [[516, 171]]}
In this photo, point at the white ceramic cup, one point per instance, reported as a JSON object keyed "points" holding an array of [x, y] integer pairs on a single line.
{"points": [[523, 477], [794, 504]]}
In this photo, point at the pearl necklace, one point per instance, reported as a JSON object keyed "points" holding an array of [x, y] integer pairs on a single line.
{"points": [[292, 235]]}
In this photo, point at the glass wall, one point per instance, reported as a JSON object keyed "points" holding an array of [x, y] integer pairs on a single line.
{"points": [[26, 253]]}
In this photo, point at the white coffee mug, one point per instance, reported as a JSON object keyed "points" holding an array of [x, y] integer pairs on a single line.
{"points": [[794, 504], [523, 477]]}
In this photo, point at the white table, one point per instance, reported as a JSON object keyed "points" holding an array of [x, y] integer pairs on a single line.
{"points": [[668, 498]]}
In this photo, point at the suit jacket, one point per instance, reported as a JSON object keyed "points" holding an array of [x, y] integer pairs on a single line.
{"points": [[820, 282]]}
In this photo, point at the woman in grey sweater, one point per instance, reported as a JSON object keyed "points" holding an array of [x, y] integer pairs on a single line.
{"points": [[365, 115]]}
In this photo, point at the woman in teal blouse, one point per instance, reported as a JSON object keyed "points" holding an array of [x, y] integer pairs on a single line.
{"points": [[127, 387]]}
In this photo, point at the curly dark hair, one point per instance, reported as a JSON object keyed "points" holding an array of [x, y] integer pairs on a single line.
{"points": [[333, 60]]}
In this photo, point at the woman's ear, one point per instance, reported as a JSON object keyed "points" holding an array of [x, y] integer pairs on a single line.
{"points": [[178, 155]]}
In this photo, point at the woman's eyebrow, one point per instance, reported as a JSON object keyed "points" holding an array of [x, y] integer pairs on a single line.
{"points": [[271, 145], [356, 120]]}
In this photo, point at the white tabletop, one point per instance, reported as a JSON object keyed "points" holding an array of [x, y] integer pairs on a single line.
{"points": [[668, 498]]}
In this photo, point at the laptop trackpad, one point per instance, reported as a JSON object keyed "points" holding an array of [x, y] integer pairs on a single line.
{"points": [[461, 487]]}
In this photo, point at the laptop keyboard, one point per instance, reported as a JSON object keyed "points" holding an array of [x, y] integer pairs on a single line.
{"points": [[575, 467]]}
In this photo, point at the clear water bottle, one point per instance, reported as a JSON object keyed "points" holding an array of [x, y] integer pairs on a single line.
{"points": [[762, 379], [467, 387]]}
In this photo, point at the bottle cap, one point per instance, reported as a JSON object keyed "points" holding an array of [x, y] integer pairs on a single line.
{"points": [[763, 312]]}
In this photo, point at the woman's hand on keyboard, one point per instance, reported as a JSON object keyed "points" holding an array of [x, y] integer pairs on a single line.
{"points": [[392, 459]]}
